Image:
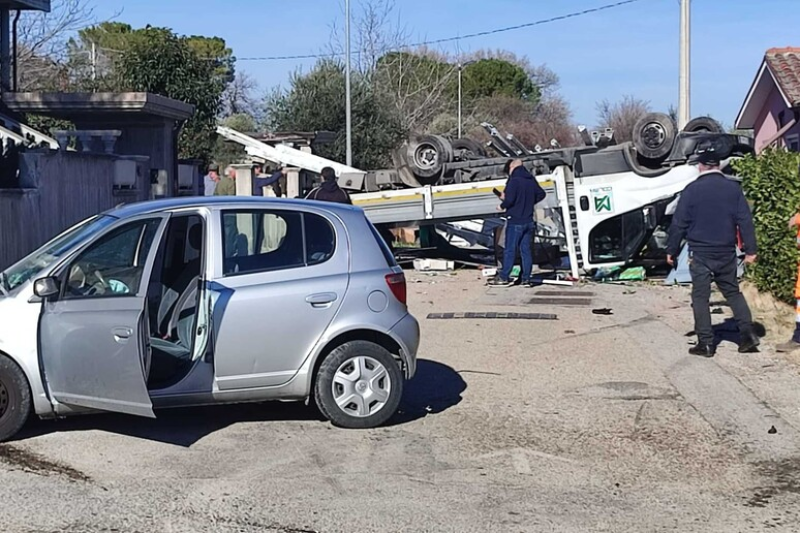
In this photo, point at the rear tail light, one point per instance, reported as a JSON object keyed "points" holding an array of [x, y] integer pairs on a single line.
{"points": [[397, 284]]}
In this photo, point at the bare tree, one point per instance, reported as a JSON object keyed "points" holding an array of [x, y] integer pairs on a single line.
{"points": [[622, 116], [42, 38], [375, 30], [238, 97], [417, 83]]}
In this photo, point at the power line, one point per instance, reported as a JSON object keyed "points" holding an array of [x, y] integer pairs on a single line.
{"points": [[460, 37]]}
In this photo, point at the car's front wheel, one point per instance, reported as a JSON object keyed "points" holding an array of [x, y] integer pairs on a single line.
{"points": [[359, 385], [15, 398]]}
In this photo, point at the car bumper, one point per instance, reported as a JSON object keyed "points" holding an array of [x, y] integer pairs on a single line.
{"points": [[406, 333]]}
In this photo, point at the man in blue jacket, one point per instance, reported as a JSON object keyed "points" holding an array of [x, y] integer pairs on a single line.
{"points": [[710, 212], [522, 193]]}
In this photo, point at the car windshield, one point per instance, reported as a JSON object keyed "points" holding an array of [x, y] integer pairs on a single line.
{"points": [[51, 252]]}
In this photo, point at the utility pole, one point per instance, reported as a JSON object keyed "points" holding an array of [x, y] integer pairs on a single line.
{"points": [[348, 119], [459, 99], [684, 92]]}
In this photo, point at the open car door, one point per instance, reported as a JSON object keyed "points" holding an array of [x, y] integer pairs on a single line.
{"points": [[93, 336]]}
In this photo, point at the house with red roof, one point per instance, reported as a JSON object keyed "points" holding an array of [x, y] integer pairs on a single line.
{"points": [[772, 106]]}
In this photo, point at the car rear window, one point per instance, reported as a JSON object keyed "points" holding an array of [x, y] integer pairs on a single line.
{"points": [[387, 253]]}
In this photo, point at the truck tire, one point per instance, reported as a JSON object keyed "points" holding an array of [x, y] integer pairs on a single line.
{"points": [[15, 398], [428, 154], [466, 149], [707, 124], [654, 135]]}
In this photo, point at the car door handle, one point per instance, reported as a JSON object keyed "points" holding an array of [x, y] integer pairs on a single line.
{"points": [[122, 334], [322, 299]]}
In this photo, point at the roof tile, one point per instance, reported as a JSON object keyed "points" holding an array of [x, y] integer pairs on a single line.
{"points": [[785, 66]]}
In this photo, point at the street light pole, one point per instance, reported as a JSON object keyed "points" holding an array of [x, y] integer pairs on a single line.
{"points": [[459, 99], [348, 119], [684, 94]]}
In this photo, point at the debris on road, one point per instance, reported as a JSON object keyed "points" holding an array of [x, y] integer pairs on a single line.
{"points": [[425, 265], [603, 311]]}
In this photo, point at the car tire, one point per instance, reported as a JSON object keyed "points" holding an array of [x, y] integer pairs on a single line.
{"points": [[15, 398], [334, 377], [654, 135], [706, 124]]}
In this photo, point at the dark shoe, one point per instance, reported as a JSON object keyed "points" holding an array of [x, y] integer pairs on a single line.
{"points": [[703, 350], [788, 347], [499, 282], [749, 343]]}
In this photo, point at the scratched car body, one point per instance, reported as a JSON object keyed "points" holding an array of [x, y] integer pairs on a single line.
{"points": [[199, 301]]}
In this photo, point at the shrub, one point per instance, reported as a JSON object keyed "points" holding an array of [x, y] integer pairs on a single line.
{"points": [[772, 185]]}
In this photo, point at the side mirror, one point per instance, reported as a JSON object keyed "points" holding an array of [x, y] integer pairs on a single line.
{"points": [[46, 287]]}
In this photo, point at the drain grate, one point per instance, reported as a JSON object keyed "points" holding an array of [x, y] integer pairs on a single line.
{"points": [[575, 302], [493, 315], [575, 294]]}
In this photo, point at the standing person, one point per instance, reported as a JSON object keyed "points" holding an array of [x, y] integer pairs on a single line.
{"points": [[329, 191], [211, 179], [711, 211], [521, 194], [260, 181], [794, 343], [227, 186]]}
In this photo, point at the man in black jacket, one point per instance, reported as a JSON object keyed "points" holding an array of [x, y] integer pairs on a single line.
{"points": [[329, 191], [521, 194], [710, 212]]}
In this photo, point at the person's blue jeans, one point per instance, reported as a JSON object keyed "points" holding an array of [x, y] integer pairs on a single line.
{"points": [[518, 237]]}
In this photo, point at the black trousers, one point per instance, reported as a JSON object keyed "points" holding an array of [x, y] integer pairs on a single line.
{"points": [[720, 268]]}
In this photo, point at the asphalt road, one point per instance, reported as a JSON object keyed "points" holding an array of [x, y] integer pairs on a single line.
{"points": [[585, 423]]}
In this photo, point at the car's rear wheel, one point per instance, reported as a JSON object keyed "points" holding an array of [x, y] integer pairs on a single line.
{"points": [[15, 398], [359, 385]]}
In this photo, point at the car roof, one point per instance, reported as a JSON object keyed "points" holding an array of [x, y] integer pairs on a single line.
{"points": [[221, 202]]}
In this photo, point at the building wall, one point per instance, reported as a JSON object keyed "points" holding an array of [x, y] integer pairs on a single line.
{"points": [[768, 122], [57, 190]]}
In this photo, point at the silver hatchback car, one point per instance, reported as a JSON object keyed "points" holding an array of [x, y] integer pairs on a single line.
{"points": [[198, 301]]}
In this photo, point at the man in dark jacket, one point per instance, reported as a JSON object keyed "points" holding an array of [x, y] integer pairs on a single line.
{"points": [[329, 191], [521, 194], [710, 212]]}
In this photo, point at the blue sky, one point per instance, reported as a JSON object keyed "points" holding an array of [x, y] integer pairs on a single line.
{"points": [[632, 49]]}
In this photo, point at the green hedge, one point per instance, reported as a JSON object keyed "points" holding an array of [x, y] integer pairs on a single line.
{"points": [[772, 186]]}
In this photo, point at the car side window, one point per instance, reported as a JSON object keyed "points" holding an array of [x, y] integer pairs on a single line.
{"points": [[320, 239], [114, 265], [264, 241]]}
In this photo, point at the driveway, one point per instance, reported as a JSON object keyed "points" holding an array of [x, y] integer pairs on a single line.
{"points": [[584, 423]]}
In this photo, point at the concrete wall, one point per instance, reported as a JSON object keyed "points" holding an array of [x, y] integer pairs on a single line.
{"points": [[58, 189], [768, 122]]}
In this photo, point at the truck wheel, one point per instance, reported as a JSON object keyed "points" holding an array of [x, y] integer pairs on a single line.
{"points": [[15, 398], [703, 124], [358, 386], [466, 149], [428, 154], [654, 135]]}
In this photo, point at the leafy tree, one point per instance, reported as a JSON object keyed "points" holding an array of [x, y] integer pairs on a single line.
{"points": [[159, 61], [315, 102], [771, 184], [492, 77]]}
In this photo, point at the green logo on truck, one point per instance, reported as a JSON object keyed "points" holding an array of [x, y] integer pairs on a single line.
{"points": [[602, 203]]}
